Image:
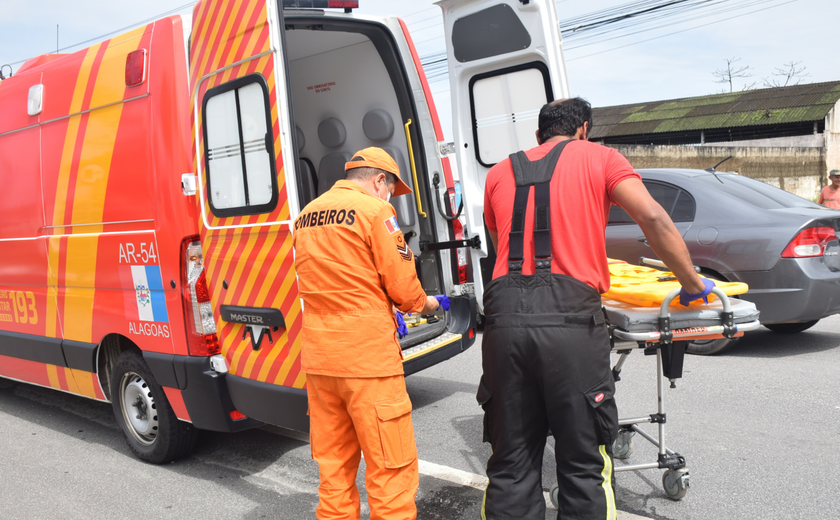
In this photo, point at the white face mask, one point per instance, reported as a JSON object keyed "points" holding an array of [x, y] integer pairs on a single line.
{"points": [[387, 193]]}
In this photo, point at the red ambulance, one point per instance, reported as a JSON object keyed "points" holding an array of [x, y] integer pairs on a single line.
{"points": [[150, 183]]}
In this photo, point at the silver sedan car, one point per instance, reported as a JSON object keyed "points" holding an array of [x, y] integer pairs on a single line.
{"points": [[742, 230]]}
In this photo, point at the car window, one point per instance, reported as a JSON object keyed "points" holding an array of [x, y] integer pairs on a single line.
{"points": [[684, 208], [619, 216], [665, 194], [678, 203], [755, 192]]}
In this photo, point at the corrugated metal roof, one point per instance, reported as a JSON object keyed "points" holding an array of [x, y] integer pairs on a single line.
{"points": [[794, 104]]}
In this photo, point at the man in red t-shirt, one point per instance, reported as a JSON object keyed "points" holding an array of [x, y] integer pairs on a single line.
{"points": [[545, 349], [830, 195]]}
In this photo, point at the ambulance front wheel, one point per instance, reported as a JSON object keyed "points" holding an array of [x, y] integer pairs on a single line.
{"points": [[147, 421]]}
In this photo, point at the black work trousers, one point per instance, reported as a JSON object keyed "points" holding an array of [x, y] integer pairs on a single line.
{"points": [[546, 366]]}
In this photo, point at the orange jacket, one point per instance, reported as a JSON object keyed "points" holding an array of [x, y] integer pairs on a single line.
{"points": [[353, 264]]}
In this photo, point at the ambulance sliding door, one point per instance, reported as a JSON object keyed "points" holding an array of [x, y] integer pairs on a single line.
{"points": [[248, 198], [505, 62]]}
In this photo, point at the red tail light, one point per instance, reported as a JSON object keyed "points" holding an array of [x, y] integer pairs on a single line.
{"points": [[458, 229], [135, 68], [198, 311], [810, 242]]}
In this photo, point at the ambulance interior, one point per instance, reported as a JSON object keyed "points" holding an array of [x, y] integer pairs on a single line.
{"points": [[349, 92]]}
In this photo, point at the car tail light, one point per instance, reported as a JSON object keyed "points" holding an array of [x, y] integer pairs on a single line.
{"points": [[810, 242], [198, 310], [135, 68]]}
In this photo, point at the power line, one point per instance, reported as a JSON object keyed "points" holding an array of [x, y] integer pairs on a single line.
{"points": [[682, 31], [118, 31]]}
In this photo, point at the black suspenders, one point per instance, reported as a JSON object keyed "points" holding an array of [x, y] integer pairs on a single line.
{"points": [[538, 174]]}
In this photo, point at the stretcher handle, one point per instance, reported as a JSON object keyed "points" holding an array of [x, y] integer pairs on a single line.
{"points": [[717, 291]]}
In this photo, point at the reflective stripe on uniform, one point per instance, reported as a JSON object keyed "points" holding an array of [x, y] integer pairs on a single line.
{"points": [[607, 484]]}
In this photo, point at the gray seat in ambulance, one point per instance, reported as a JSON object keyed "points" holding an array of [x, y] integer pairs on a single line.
{"points": [[378, 126], [332, 134], [309, 183]]}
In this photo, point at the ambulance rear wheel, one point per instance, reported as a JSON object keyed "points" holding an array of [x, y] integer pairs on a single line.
{"points": [[147, 420]]}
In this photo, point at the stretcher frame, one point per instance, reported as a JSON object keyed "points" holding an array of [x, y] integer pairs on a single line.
{"points": [[664, 344], [669, 358]]}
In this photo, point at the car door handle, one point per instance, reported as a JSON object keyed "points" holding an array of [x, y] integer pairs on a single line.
{"points": [[643, 240]]}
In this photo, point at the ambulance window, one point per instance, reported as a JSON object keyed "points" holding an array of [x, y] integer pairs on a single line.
{"points": [[489, 32], [241, 173], [505, 108]]}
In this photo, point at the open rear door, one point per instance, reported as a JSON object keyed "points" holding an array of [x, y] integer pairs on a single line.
{"points": [[248, 199], [505, 62]]}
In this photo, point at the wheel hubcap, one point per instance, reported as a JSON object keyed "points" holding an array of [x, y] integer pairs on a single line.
{"points": [[138, 408]]}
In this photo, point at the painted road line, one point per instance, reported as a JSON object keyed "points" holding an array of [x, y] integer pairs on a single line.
{"points": [[440, 472], [473, 480]]}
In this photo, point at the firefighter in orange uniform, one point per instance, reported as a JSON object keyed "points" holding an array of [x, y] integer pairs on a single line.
{"points": [[353, 265]]}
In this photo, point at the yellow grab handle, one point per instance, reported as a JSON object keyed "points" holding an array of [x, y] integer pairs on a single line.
{"points": [[414, 170]]}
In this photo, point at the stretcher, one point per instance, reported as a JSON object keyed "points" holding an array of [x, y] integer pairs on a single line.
{"points": [[663, 332]]}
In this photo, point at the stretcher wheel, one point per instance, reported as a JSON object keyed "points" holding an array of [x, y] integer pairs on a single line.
{"points": [[554, 495], [623, 445], [675, 483]]}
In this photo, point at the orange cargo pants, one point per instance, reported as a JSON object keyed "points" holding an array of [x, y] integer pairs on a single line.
{"points": [[350, 416]]}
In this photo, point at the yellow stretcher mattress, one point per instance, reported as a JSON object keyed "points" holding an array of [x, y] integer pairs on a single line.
{"points": [[648, 287]]}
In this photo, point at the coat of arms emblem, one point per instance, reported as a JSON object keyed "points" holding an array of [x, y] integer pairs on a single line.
{"points": [[143, 296]]}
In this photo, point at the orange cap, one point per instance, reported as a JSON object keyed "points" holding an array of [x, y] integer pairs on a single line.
{"points": [[378, 158]]}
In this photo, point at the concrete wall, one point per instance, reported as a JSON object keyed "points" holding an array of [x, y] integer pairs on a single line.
{"points": [[832, 138], [798, 141], [798, 170]]}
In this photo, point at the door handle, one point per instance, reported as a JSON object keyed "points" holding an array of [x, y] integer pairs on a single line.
{"points": [[643, 240]]}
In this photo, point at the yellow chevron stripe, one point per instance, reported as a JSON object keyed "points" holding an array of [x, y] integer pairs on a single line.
{"points": [[236, 236], [62, 186], [197, 30], [84, 381], [256, 265], [71, 381], [606, 474], [239, 347], [91, 183], [300, 381], [240, 36], [293, 315], [210, 48], [245, 260], [250, 47], [294, 351], [227, 35], [52, 375], [274, 269]]}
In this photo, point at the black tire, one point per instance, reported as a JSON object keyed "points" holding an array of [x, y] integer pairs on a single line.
{"points": [[147, 420], [710, 347], [790, 328]]}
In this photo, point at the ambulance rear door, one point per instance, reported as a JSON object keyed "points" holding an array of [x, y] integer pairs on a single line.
{"points": [[505, 62], [245, 173]]}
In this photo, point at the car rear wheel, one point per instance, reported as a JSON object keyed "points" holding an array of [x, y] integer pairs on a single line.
{"points": [[790, 328], [147, 420], [710, 347]]}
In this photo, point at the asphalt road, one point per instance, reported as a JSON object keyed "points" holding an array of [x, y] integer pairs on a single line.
{"points": [[758, 427]]}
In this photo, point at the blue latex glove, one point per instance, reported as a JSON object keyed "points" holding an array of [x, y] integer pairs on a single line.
{"points": [[402, 329], [443, 300], [686, 298]]}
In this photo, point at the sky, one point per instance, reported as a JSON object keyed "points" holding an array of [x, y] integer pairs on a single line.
{"points": [[665, 61]]}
